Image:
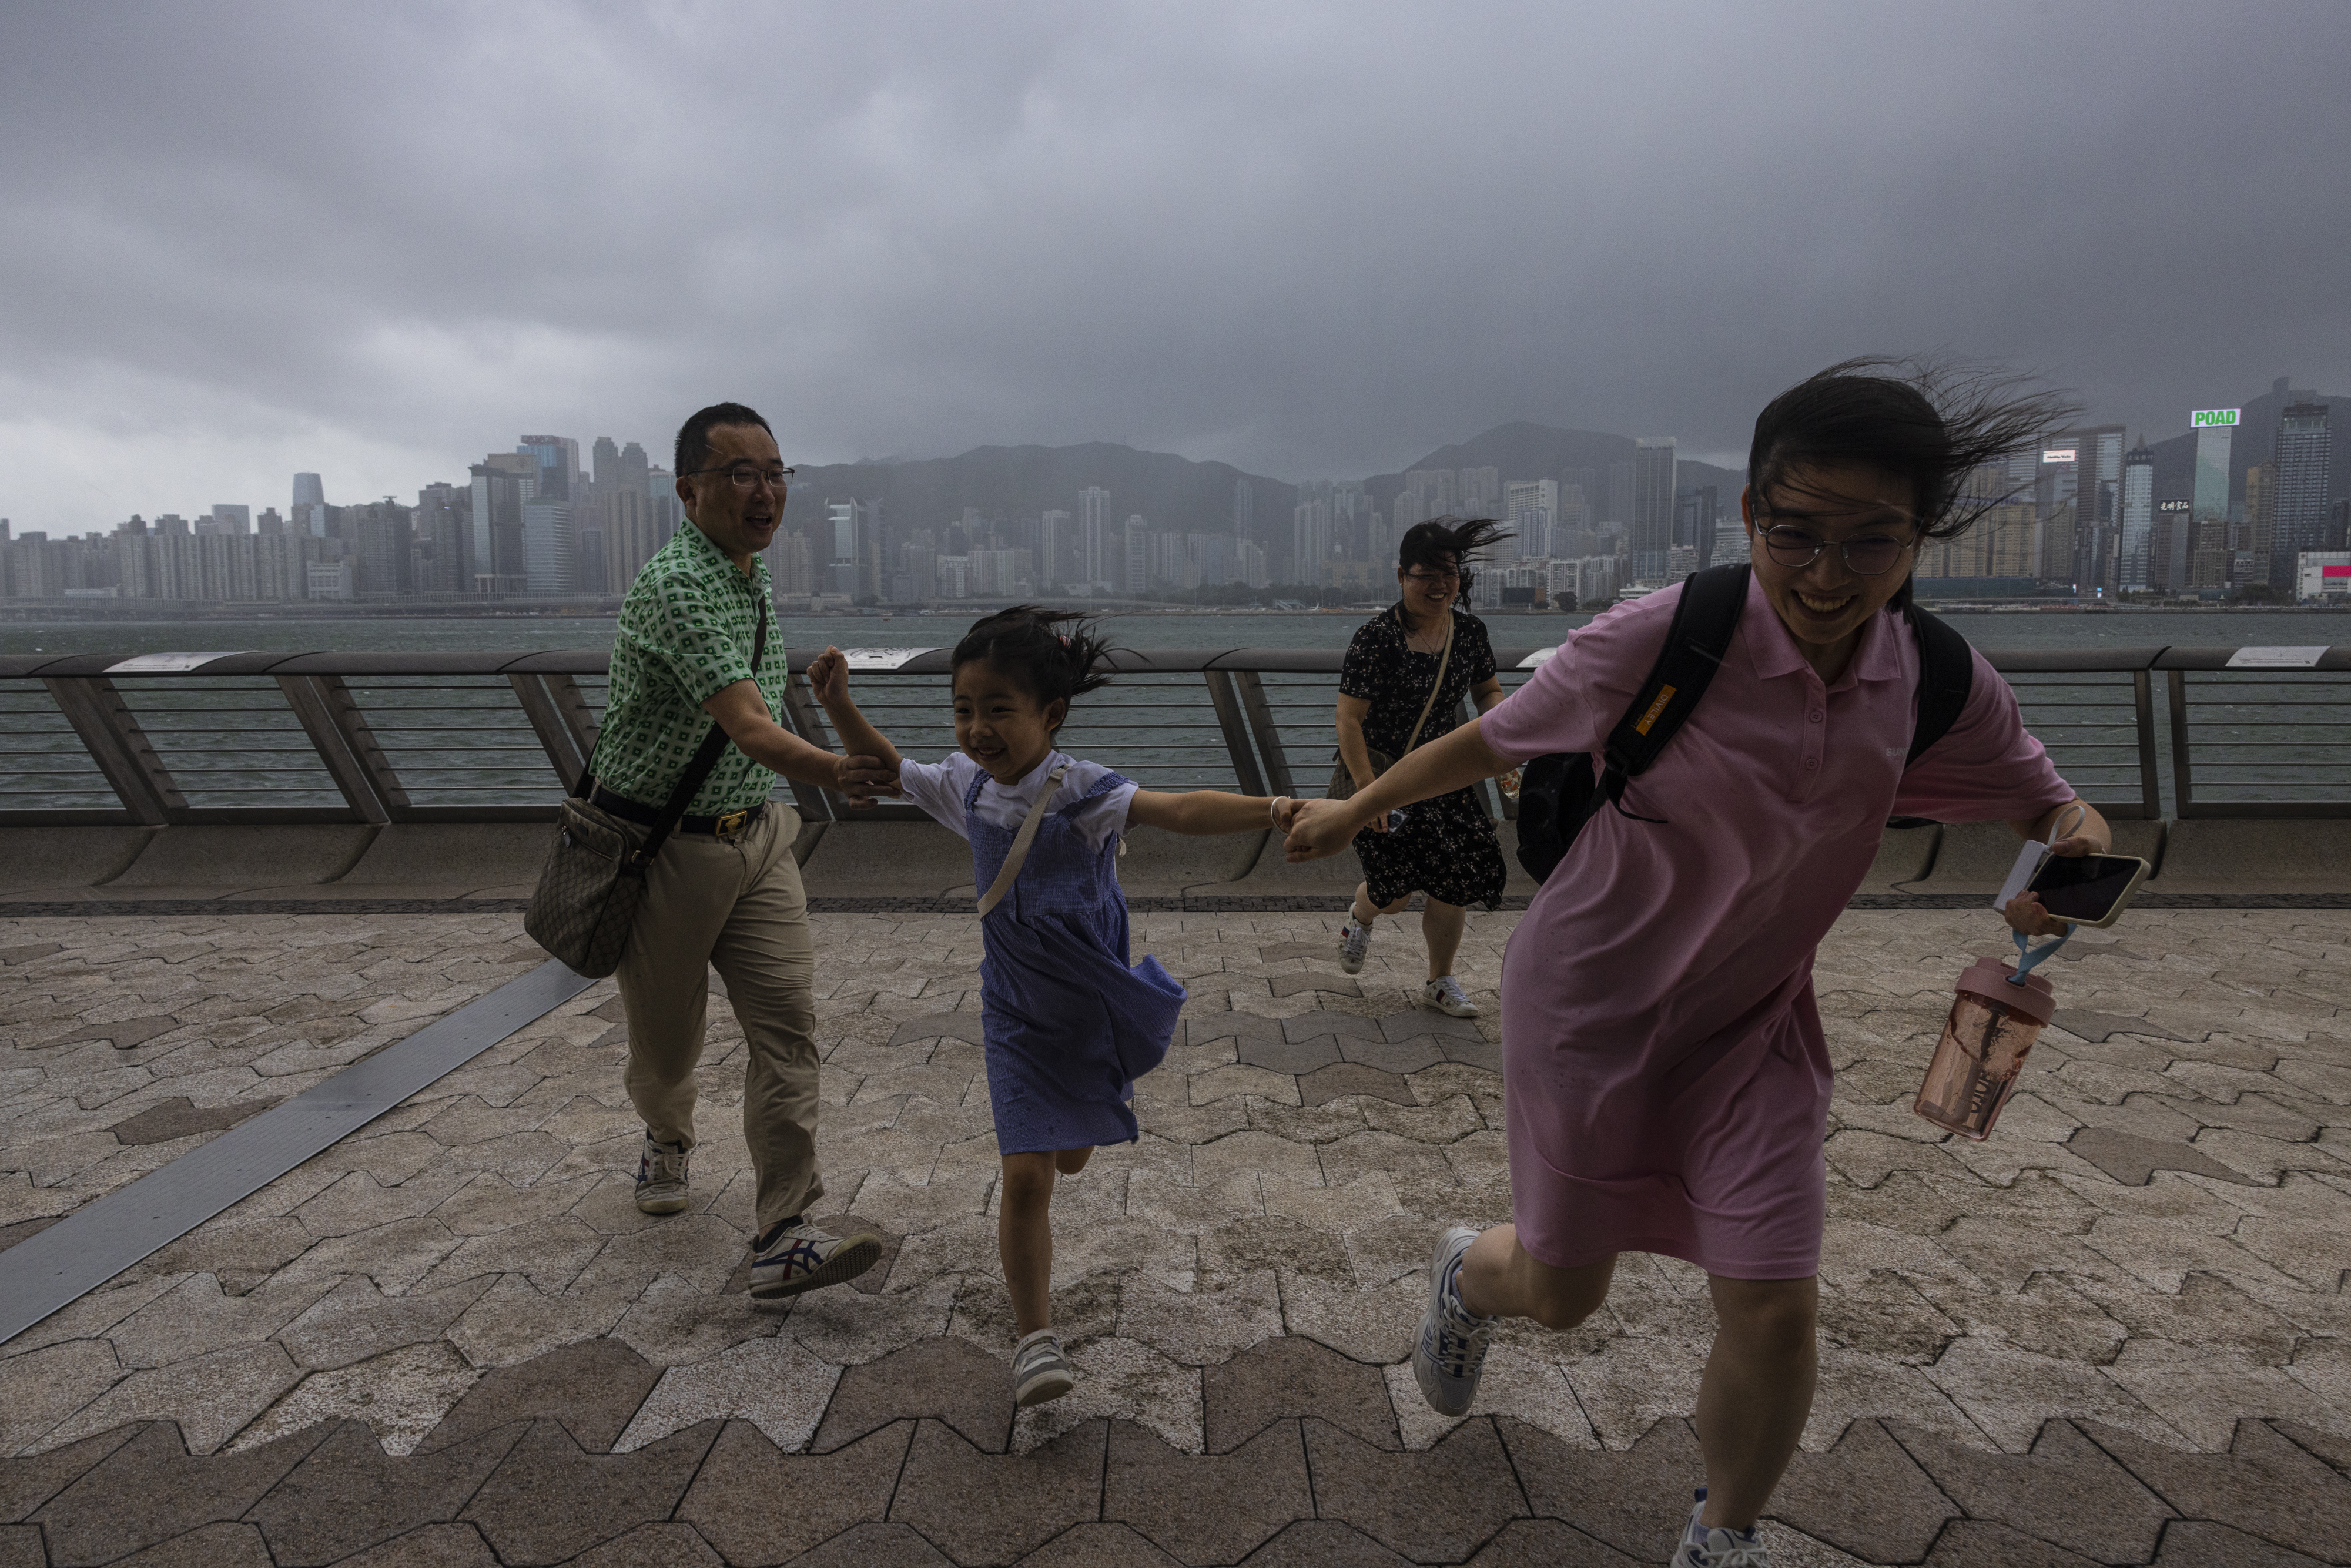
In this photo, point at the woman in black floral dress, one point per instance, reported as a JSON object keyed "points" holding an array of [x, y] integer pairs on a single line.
{"points": [[1444, 847]]}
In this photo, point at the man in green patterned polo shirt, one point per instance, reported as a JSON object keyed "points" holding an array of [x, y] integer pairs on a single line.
{"points": [[724, 891]]}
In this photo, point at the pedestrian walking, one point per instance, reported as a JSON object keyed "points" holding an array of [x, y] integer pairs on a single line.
{"points": [[1667, 1076], [1069, 1023], [1409, 670], [723, 891]]}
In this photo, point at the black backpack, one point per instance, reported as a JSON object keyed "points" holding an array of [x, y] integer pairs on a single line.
{"points": [[1557, 792]]}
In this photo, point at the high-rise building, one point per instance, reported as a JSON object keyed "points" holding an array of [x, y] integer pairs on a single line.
{"points": [[502, 482], [1619, 509], [606, 461], [558, 458], [2214, 430], [1433, 495], [550, 548], [443, 560], [1102, 555], [1055, 539], [1310, 535], [1137, 574], [228, 519], [309, 509], [1478, 492], [2305, 457], [379, 533], [2169, 545], [2082, 546], [1695, 510], [1244, 510], [1249, 568], [1531, 507], [2137, 522], [1652, 521]]}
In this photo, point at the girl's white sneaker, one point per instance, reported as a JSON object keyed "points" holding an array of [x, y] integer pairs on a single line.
{"points": [[1355, 941], [1039, 1370], [1703, 1547], [1446, 996]]}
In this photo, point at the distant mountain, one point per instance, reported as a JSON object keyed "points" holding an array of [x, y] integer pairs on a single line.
{"points": [[1523, 451], [1008, 484]]}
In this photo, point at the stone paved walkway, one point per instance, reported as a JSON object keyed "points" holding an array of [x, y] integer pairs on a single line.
{"points": [[2115, 1333]]}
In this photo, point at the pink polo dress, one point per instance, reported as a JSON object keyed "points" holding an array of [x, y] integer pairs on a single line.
{"points": [[1666, 1080]]}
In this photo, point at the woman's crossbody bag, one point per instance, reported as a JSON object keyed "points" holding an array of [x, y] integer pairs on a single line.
{"points": [[1343, 782], [593, 882]]}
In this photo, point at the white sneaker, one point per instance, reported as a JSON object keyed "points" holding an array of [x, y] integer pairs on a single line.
{"points": [[1446, 996], [1703, 1547], [1450, 1352], [1355, 941], [1039, 1370], [795, 1257]]}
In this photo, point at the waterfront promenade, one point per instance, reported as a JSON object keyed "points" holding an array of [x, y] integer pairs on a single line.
{"points": [[2115, 1333]]}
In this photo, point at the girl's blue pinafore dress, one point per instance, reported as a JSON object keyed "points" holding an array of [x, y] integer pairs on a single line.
{"points": [[1069, 1024]]}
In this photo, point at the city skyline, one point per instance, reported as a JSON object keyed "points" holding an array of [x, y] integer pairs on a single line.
{"points": [[261, 240]]}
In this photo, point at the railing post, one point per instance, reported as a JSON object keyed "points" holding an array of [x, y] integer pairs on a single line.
{"points": [[2150, 783], [545, 705], [800, 712], [1261, 726], [1229, 719], [115, 742], [2180, 787], [340, 733]]}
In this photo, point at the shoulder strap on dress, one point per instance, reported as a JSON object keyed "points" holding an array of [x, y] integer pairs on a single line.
{"points": [[1017, 855]]}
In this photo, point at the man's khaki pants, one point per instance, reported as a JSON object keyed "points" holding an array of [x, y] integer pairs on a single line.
{"points": [[735, 905]]}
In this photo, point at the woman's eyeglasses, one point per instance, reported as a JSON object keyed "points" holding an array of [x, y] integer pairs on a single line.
{"points": [[1865, 554], [1427, 579]]}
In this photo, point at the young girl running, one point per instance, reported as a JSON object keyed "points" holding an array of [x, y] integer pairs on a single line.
{"points": [[1069, 1023]]}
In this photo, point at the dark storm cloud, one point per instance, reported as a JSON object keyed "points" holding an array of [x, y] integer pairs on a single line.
{"points": [[376, 242]]}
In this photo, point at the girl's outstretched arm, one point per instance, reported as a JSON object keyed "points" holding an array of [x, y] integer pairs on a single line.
{"points": [[828, 677], [1205, 812]]}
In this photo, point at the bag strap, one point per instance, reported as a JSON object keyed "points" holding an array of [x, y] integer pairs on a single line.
{"points": [[1695, 644], [706, 758], [1444, 660], [1946, 676], [1017, 855]]}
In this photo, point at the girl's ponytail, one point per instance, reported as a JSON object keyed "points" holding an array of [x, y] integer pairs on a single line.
{"points": [[1050, 664]]}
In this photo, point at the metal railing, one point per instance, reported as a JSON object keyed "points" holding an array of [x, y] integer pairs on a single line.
{"points": [[418, 737]]}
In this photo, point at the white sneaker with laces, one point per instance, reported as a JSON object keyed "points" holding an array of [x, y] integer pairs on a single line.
{"points": [[791, 1258], [1039, 1370], [1446, 995], [1355, 941], [1450, 1352], [1705, 1547]]}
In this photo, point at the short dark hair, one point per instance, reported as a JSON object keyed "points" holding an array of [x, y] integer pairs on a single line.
{"points": [[1051, 665], [693, 451], [1926, 424], [1448, 542]]}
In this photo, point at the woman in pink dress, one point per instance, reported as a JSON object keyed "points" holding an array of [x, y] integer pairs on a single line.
{"points": [[1668, 1082]]}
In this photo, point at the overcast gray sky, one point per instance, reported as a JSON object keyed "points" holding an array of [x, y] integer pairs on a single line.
{"points": [[240, 240]]}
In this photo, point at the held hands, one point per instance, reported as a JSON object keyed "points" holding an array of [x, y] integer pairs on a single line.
{"points": [[1323, 827], [861, 778], [2024, 912]]}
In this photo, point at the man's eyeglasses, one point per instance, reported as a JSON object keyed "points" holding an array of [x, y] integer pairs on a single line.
{"points": [[743, 475], [1865, 554]]}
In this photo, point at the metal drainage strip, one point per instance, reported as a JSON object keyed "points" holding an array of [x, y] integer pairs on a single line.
{"points": [[100, 1239]]}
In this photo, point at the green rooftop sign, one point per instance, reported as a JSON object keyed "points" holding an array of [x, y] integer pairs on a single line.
{"points": [[2204, 418]]}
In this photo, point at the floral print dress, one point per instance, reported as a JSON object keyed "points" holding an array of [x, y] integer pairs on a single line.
{"points": [[1446, 847]]}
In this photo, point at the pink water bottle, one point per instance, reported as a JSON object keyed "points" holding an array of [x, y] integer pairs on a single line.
{"points": [[1994, 1021]]}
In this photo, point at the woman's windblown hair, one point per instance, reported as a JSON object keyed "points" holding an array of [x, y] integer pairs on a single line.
{"points": [[1928, 424], [1448, 542], [1028, 643]]}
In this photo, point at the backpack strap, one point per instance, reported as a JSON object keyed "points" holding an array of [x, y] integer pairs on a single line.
{"points": [[1694, 645], [1946, 676]]}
